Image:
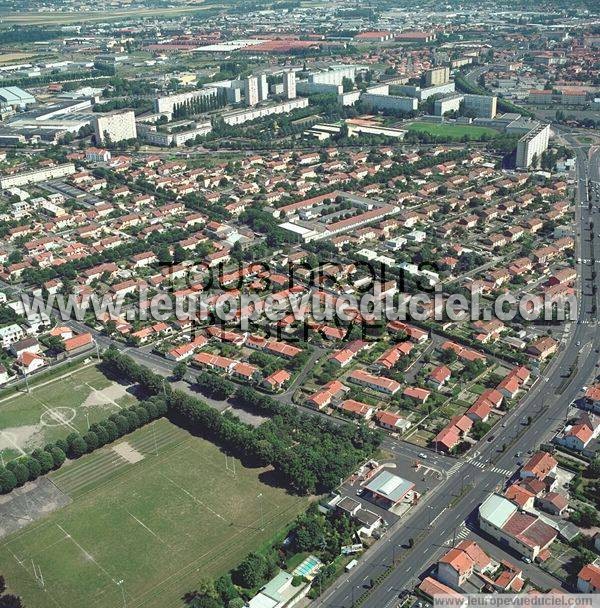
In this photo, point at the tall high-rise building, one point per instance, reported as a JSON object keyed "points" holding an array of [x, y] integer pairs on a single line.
{"points": [[482, 106], [115, 126], [437, 76], [289, 84], [263, 87], [251, 90], [531, 146]]}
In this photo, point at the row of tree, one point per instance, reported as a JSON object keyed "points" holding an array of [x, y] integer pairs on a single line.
{"points": [[41, 461], [310, 454], [200, 105]]}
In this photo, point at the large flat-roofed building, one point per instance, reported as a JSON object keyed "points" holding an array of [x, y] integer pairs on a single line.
{"points": [[389, 102], [388, 489], [311, 88], [523, 532], [15, 97], [37, 175], [289, 85], [531, 146], [154, 135], [482, 106], [424, 93], [116, 126], [451, 103], [169, 102], [334, 76], [437, 76], [237, 117]]}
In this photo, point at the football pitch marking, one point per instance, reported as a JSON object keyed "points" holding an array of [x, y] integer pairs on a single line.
{"points": [[86, 553], [148, 529], [11, 439], [56, 416], [197, 500]]}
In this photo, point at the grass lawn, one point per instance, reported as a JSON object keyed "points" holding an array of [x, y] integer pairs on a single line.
{"points": [[421, 437], [55, 408], [160, 524], [452, 131]]}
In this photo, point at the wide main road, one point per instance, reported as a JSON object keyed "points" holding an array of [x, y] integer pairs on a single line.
{"points": [[433, 523]]}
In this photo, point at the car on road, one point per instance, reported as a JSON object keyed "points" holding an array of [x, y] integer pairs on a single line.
{"points": [[359, 491], [526, 559], [491, 438], [422, 455]]}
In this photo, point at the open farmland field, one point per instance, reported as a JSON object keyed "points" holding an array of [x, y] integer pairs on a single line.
{"points": [[159, 510], [55, 408]]}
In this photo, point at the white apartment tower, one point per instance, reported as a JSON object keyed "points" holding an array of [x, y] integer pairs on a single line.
{"points": [[115, 126], [289, 85], [263, 87], [531, 145], [251, 90]]}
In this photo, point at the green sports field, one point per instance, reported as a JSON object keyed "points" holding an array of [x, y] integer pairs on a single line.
{"points": [[55, 408], [452, 131], [159, 510]]}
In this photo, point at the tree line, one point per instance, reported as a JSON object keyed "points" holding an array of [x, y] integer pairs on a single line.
{"points": [[200, 105], [53, 455], [310, 454]]}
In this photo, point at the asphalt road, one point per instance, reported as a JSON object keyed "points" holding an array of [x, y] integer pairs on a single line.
{"points": [[433, 524]]}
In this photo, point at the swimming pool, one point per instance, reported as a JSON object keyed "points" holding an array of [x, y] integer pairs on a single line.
{"points": [[310, 565]]}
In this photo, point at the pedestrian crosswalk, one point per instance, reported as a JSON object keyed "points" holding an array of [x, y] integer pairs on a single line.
{"points": [[479, 464], [505, 472], [461, 533], [485, 465], [454, 468]]}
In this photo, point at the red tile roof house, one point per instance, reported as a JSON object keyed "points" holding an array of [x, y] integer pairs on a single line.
{"points": [[391, 356], [377, 383], [588, 579], [30, 362], [392, 422], [78, 343], [540, 466], [439, 376], [592, 398], [418, 394], [324, 397], [461, 562], [432, 588], [277, 379], [357, 409], [578, 435], [553, 503], [447, 438], [245, 371], [523, 498], [509, 387], [488, 400]]}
